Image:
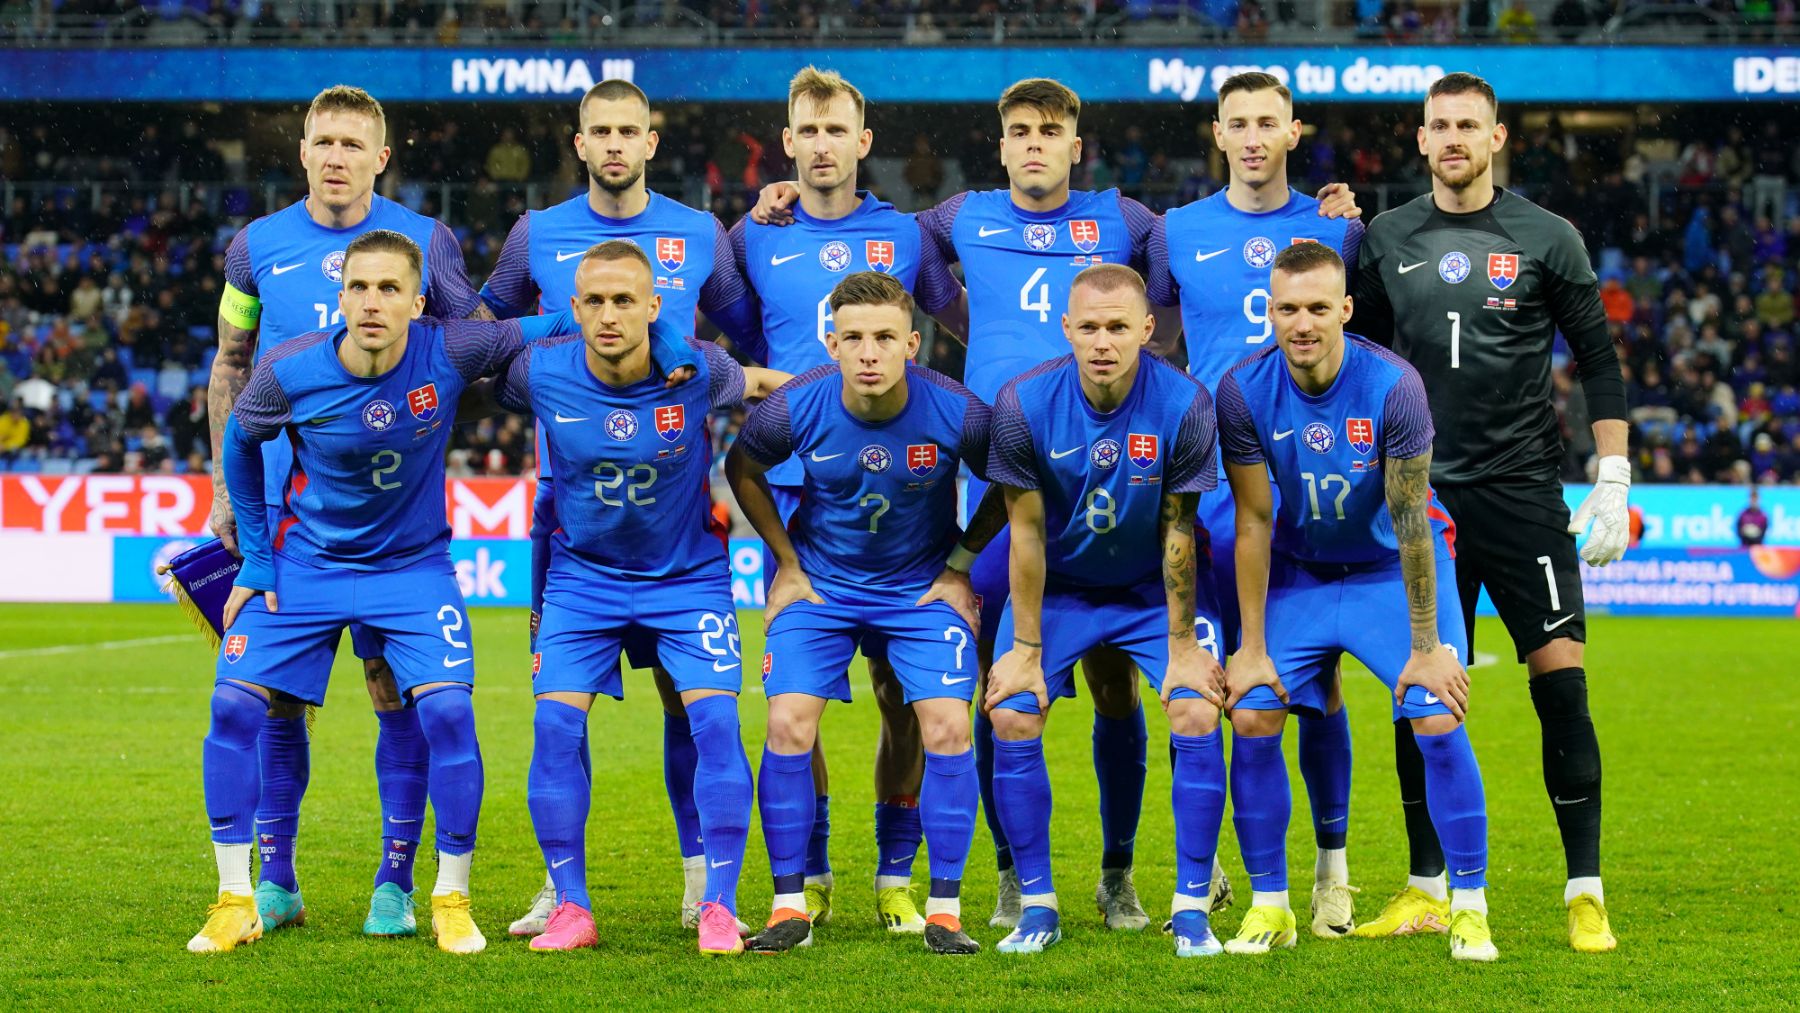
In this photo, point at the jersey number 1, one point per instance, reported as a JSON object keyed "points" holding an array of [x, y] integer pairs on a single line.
{"points": [[1455, 339]]}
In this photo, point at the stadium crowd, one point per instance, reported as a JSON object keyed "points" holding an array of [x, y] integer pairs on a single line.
{"points": [[109, 282]]}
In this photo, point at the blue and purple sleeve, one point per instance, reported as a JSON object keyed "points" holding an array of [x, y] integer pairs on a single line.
{"points": [[1237, 431], [1012, 457], [260, 413], [725, 378], [1353, 240], [977, 435], [513, 392], [935, 288], [767, 435], [1406, 429], [1194, 460], [479, 348], [239, 273], [1159, 281], [727, 301], [938, 225], [450, 296], [1144, 226], [509, 291], [739, 255]]}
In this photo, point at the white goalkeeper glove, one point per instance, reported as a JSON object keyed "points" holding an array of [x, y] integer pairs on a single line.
{"points": [[1605, 507]]}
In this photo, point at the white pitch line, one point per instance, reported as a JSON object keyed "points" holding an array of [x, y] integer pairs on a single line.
{"points": [[104, 645], [1483, 660]]}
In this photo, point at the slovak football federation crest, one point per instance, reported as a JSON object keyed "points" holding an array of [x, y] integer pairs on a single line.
{"points": [[621, 424], [1040, 235], [921, 458], [1105, 454], [377, 416], [423, 401], [1259, 252], [671, 252], [1361, 434], [1141, 448], [1317, 437], [670, 421], [333, 266], [875, 458], [1086, 234], [880, 255], [835, 256], [1503, 269], [235, 646], [1454, 267]]}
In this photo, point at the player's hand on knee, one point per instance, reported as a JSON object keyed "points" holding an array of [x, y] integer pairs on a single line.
{"points": [[239, 597], [952, 587], [773, 203], [1337, 201], [1247, 670], [790, 585], [1439, 674], [224, 522], [1192, 668], [1017, 671]]}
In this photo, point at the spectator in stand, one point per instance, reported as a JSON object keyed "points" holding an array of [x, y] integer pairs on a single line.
{"points": [[139, 412], [15, 431], [1774, 305], [1773, 160], [924, 172], [1752, 523], [1735, 164], [1617, 302], [508, 161], [1517, 23]]}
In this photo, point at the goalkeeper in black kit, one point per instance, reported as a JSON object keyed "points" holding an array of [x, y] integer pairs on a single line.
{"points": [[1471, 283]]}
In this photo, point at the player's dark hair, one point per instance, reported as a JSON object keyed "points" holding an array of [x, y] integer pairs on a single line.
{"points": [[387, 241], [871, 288], [1463, 83], [1053, 100], [612, 90], [1252, 80], [1110, 278], [1305, 256], [347, 98], [820, 87], [618, 249]]}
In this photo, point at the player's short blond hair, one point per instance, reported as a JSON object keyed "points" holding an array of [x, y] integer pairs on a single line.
{"points": [[1305, 256], [618, 249], [347, 98], [1053, 100], [820, 87], [1110, 278], [387, 241], [872, 288], [612, 90]]}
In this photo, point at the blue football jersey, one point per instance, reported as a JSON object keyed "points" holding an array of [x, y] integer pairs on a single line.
{"points": [[1215, 259], [1018, 265], [295, 266], [631, 491], [1103, 475], [793, 269], [1325, 454], [878, 499], [367, 489], [690, 259]]}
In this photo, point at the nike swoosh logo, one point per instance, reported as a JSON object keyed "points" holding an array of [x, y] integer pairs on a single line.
{"points": [[954, 682], [717, 865], [902, 858], [1469, 872], [393, 820], [778, 261], [1554, 798], [1337, 819], [1284, 434], [1057, 455], [725, 666], [1254, 875], [561, 256], [226, 826], [1030, 881], [1548, 625], [560, 417], [1200, 258], [1411, 267], [1195, 886], [560, 864], [827, 457], [261, 822], [1431, 698], [283, 270], [986, 232], [460, 661]]}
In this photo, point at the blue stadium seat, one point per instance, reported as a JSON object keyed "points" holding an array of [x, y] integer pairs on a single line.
{"points": [[147, 377]]}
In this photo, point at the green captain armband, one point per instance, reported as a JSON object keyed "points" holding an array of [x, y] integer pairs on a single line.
{"points": [[239, 309]]}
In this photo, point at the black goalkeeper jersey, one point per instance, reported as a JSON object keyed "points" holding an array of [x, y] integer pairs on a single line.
{"points": [[1474, 302]]}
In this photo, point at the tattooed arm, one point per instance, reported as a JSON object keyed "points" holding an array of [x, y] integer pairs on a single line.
{"points": [[230, 372], [1190, 667], [1432, 665]]}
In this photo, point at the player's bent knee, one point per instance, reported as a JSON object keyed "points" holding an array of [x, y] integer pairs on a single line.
{"points": [[237, 712], [1015, 726], [1435, 724], [1554, 656], [944, 726], [1192, 716], [1245, 721]]}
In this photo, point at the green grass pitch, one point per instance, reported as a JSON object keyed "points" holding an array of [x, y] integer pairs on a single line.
{"points": [[105, 867]]}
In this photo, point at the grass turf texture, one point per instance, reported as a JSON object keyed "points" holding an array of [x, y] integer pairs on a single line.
{"points": [[107, 870]]}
